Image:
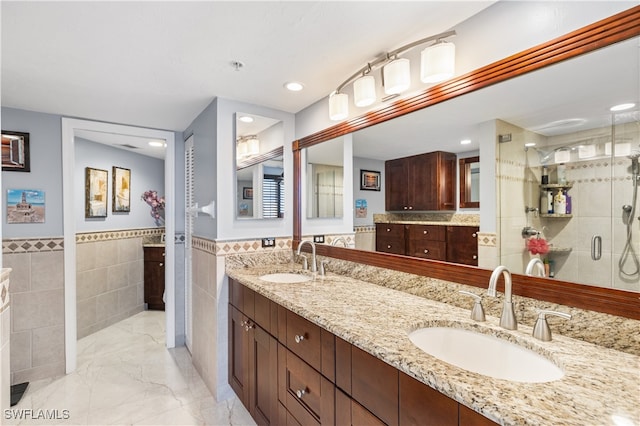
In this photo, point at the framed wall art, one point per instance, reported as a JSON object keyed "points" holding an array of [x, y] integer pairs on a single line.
{"points": [[95, 184], [247, 193], [369, 180], [25, 206], [121, 197], [15, 152]]}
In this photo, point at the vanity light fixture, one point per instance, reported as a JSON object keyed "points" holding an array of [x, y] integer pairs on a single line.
{"points": [[437, 64], [622, 107], [247, 146]]}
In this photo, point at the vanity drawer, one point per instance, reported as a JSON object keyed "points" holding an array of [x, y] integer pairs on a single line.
{"points": [[155, 254], [427, 232], [389, 230], [434, 250], [390, 245], [303, 339], [308, 396]]}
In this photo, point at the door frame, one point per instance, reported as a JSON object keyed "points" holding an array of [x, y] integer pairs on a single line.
{"points": [[69, 126]]}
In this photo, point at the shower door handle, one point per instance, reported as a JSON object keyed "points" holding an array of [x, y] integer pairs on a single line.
{"points": [[596, 247]]}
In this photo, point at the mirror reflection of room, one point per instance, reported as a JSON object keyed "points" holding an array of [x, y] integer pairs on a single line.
{"points": [[325, 180], [259, 167]]}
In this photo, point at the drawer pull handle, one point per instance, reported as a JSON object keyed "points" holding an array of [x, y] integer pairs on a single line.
{"points": [[300, 393], [162, 264], [410, 208], [426, 251], [248, 326], [162, 254], [388, 229], [388, 246], [475, 256], [474, 235], [405, 207], [425, 232], [298, 338]]}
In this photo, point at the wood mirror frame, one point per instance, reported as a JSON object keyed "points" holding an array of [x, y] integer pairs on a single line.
{"points": [[465, 182], [616, 28]]}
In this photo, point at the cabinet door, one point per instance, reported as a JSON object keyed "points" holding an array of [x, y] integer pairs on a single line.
{"points": [[396, 179], [421, 405], [432, 183], [263, 377], [239, 355], [154, 284], [462, 244]]}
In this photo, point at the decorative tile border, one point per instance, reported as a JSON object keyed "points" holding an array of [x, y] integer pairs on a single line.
{"points": [[89, 237], [4, 289], [32, 245], [367, 228], [487, 239], [223, 248]]}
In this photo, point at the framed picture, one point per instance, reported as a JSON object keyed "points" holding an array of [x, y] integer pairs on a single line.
{"points": [[369, 180], [247, 193], [25, 206], [15, 152], [95, 187], [121, 197]]}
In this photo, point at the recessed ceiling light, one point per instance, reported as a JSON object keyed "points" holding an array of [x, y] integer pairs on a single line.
{"points": [[157, 144], [246, 119], [622, 107], [294, 86], [530, 144], [465, 142]]}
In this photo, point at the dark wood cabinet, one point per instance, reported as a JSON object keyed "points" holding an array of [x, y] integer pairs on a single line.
{"points": [[456, 244], [462, 244], [154, 277], [425, 182], [300, 374]]}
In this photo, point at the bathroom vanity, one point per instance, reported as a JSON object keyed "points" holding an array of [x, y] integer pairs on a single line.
{"points": [[341, 350], [154, 260]]}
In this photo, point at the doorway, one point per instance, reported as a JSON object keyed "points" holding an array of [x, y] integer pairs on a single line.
{"points": [[69, 129]]}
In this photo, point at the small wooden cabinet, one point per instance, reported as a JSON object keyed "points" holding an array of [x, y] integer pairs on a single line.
{"points": [[425, 182], [462, 244], [154, 277]]}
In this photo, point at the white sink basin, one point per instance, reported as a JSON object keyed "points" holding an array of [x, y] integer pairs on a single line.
{"points": [[485, 354], [285, 278]]}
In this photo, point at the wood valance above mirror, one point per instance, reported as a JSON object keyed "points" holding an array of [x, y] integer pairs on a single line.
{"points": [[612, 30]]}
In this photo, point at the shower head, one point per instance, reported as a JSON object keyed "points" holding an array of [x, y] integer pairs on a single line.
{"points": [[633, 156]]}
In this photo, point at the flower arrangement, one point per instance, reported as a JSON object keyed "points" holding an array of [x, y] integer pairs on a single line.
{"points": [[157, 203]]}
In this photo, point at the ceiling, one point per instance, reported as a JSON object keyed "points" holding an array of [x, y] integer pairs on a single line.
{"points": [[159, 64]]}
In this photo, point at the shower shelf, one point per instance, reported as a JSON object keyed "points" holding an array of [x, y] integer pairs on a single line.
{"points": [[560, 250], [567, 185], [557, 215]]}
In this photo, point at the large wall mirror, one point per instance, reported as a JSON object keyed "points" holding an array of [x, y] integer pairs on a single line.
{"points": [[259, 167], [564, 109]]}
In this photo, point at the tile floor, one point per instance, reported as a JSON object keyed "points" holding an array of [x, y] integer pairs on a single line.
{"points": [[126, 376]]}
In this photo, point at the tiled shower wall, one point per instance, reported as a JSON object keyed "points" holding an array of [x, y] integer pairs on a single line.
{"points": [[109, 277], [37, 307]]}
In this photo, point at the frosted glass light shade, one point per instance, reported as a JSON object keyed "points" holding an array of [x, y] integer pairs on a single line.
{"points": [[253, 146], [338, 106], [397, 76], [437, 62], [364, 91], [241, 149]]}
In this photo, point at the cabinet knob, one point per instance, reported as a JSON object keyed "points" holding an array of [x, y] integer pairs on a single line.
{"points": [[475, 256], [474, 235], [388, 246], [406, 208], [248, 326], [426, 251], [425, 232], [161, 264], [300, 393], [410, 207], [298, 338], [388, 229], [162, 254]]}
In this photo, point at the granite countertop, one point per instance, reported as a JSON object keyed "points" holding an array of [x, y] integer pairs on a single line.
{"points": [[428, 222], [153, 245], [600, 386]]}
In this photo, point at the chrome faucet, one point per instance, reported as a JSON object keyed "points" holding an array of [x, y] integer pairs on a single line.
{"points": [[508, 317], [344, 242], [533, 263], [314, 266]]}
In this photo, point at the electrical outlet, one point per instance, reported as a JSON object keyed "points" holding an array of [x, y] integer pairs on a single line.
{"points": [[318, 239], [268, 242]]}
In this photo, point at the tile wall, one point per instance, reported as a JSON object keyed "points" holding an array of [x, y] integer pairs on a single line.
{"points": [[37, 307], [210, 306], [5, 332]]}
